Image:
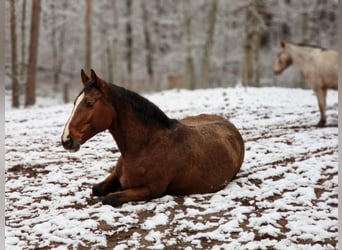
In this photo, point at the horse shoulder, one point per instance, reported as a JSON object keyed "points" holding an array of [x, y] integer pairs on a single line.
{"points": [[155, 165], [131, 174]]}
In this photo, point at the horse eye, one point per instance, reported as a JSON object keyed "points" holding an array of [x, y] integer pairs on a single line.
{"points": [[90, 104]]}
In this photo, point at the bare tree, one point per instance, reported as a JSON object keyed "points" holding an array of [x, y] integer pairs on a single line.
{"points": [[189, 80], [33, 51], [62, 42], [57, 43], [305, 35], [88, 35], [110, 42], [15, 84], [148, 45], [129, 42], [158, 47], [54, 46], [208, 45], [113, 52], [251, 64], [23, 41]]}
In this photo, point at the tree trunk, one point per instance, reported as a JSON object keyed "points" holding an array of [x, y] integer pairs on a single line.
{"points": [[129, 42], [189, 80], [15, 84], [57, 51], [208, 45], [54, 47], [61, 44], [33, 51], [305, 37], [66, 92], [109, 61], [148, 46], [88, 35], [251, 64], [256, 41], [256, 52], [23, 42], [247, 65], [157, 35], [113, 70], [104, 48]]}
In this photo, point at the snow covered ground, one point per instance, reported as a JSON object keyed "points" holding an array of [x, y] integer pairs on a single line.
{"points": [[284, 197]]}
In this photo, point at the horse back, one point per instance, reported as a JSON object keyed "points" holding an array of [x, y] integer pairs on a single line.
{"points": [[213, 129]]}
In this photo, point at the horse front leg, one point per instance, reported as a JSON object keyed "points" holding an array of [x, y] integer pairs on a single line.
{"points": [[110, 184], [321, 97], [132, 194]]}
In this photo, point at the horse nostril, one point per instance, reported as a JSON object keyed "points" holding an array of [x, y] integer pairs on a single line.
{"points": [[68, 143]]}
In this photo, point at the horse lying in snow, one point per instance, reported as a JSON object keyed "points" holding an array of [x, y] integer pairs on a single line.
{"points": [[159, 155], [318, 65]]}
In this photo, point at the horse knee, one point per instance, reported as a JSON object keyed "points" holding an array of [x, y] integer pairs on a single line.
{"points": [[97, 190], [106, 187]]}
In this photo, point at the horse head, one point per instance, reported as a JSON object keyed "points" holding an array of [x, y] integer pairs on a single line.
{"points": [[92, 113], [283, 59]]}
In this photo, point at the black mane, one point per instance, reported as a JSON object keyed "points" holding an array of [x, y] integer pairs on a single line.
{"points": [[310, 45], [146, 111]]}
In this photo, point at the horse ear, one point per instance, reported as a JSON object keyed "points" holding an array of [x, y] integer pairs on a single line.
{"points": [[84, 77], [282, 44], [93, 75], [99, 82]]}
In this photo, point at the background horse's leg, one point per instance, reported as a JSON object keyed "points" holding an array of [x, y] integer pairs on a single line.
{"points": [[133, 194], [321, 97], [109, 185]]}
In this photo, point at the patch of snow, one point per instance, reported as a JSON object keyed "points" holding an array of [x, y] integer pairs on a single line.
{"points": [[153, 222]]}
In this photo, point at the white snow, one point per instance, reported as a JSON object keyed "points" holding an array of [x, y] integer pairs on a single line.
{"points": [[153, 222], [284, 197]]}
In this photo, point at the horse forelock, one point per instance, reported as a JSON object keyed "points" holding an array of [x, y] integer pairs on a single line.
{"points": [[89, 85]]}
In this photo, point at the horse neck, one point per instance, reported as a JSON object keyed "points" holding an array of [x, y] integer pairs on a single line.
{"points": [[130, 134], [301, 56]]}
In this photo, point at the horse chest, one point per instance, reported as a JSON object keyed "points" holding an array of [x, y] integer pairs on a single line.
{"points": [[132, 176]]}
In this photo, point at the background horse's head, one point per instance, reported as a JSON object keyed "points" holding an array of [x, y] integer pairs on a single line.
{"points": [[92, 113], [283, 59]]}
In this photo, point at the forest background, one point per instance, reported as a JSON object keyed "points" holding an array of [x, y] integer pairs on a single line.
{"points": [[157, 44]]}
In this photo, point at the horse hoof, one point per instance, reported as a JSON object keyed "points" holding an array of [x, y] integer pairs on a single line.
{"points": [[113, 200], [96, 191], [321, 123]]}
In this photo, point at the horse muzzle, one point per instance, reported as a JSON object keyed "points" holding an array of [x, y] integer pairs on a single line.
{"points": [[71, 144], [277, 71]]}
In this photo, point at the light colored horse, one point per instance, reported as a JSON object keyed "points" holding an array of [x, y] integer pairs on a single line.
{"points": [[318, 65]]}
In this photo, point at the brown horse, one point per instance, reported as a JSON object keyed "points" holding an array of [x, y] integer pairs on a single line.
{"points": [[318, 65], [159, 155]]}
